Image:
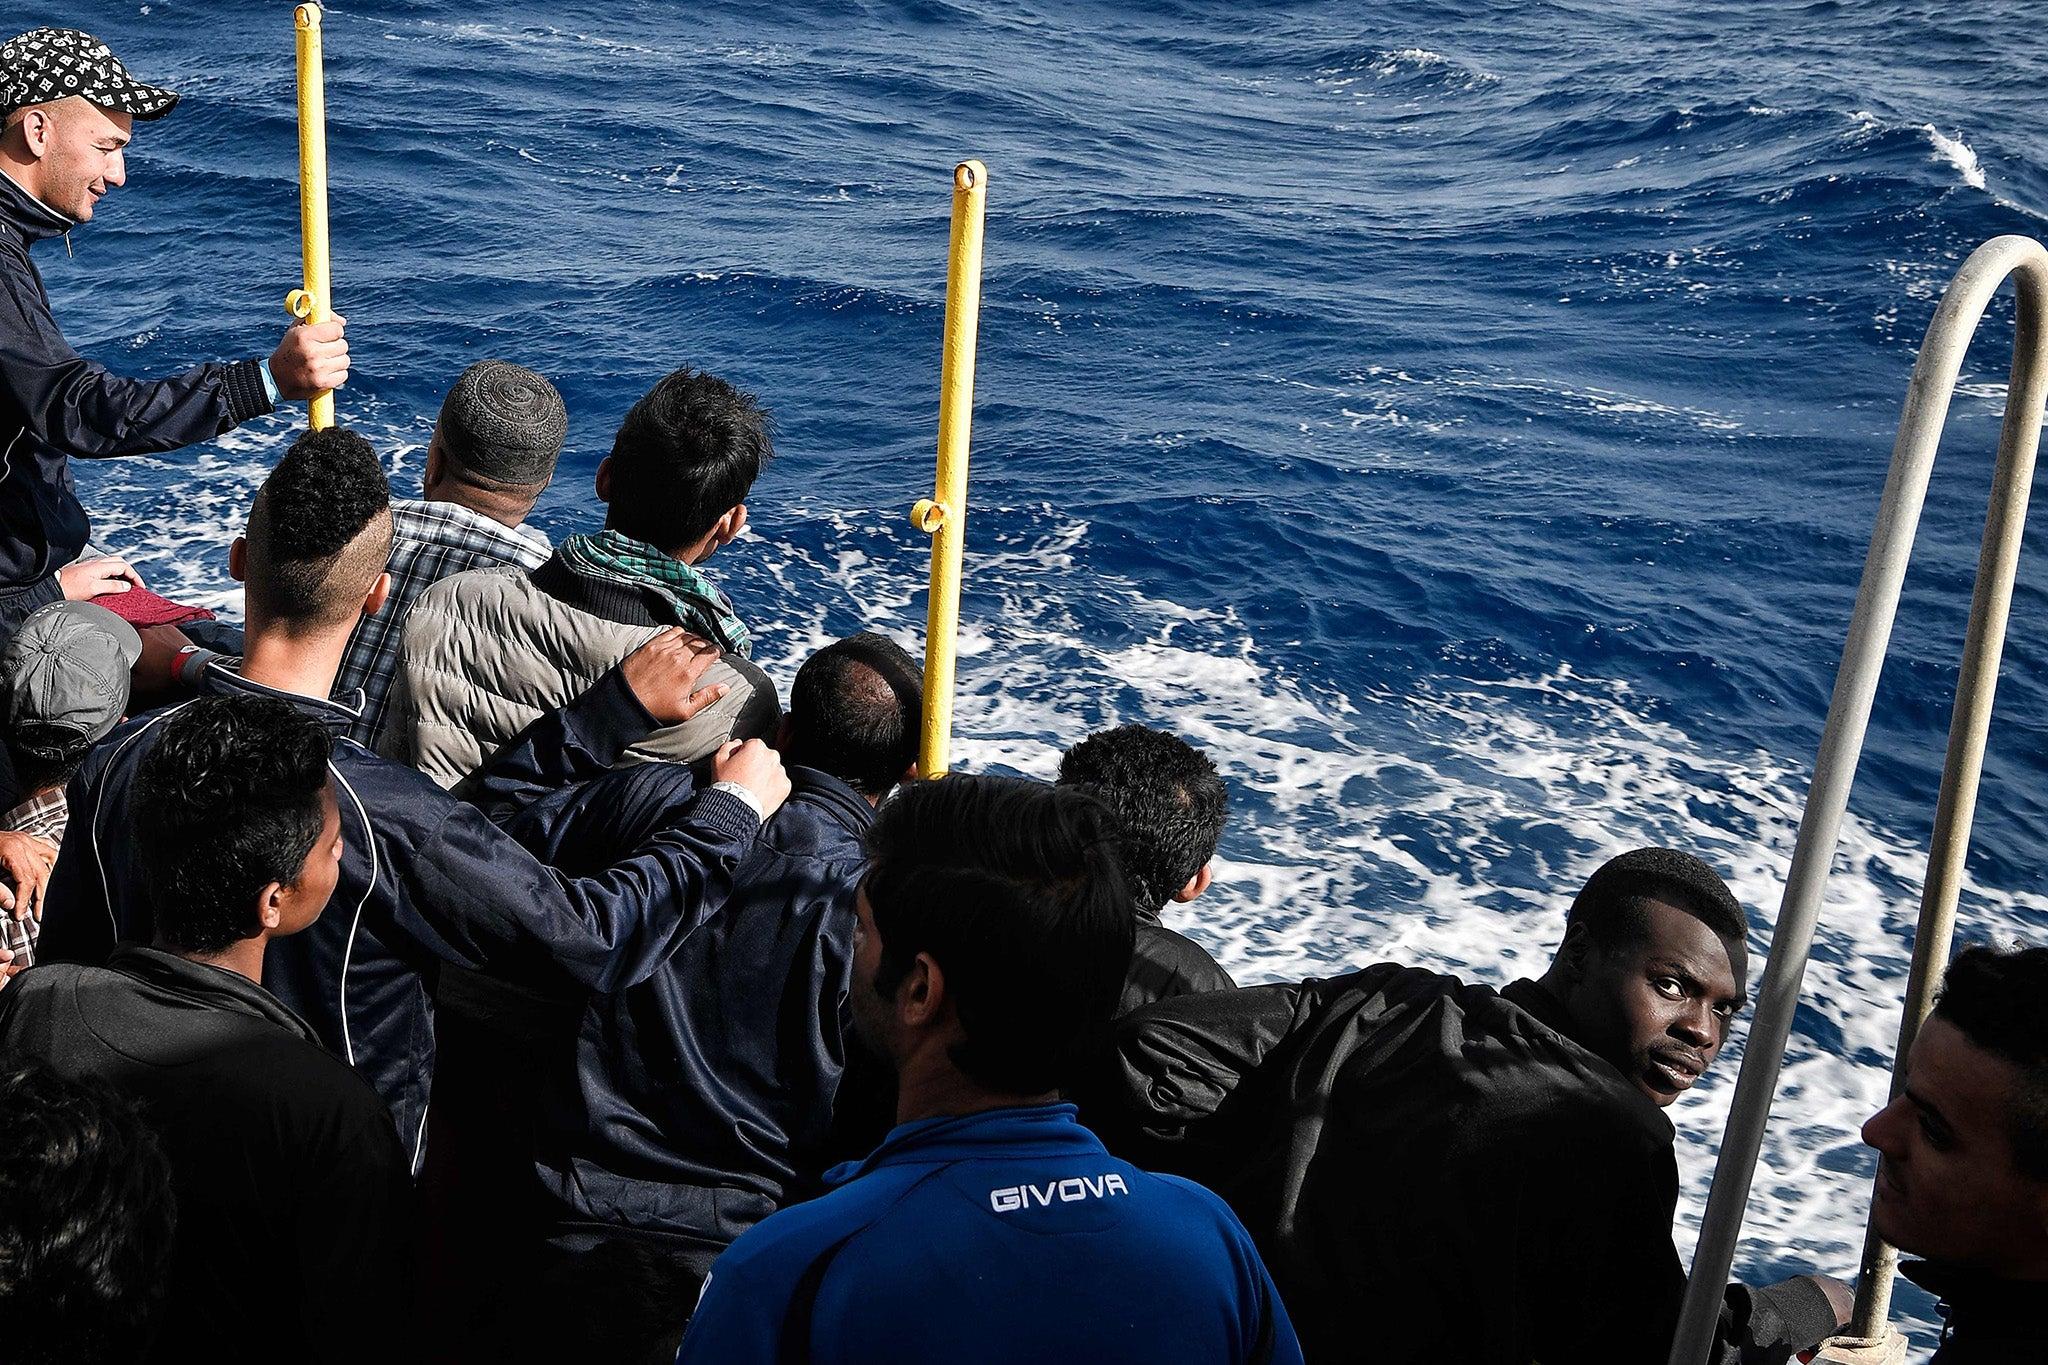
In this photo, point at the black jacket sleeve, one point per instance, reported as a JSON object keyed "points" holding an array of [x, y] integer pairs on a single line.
{"points": [[19, 605], [1614, 1253], [570, 745], [73, 405]]}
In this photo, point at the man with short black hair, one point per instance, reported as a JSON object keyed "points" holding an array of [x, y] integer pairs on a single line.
{"points": [[1440, 1171], [427, 879], [993, 936], [1964, 1176], [287, 1171], [492, 455], [86, 1215], [485, 650], [698, 1102], [67, 109], [1171, 803]]}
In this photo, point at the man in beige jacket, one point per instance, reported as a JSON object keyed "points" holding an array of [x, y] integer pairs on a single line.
{"points": [[487, 652]]}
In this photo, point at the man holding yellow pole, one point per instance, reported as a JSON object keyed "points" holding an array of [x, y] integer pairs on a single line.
{"points": [[67, 109]]}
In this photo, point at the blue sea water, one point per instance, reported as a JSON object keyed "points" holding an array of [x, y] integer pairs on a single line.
{"points": [[1463, 420]]}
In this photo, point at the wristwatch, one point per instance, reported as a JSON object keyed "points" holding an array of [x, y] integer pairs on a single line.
{"points": [[190, 662]]}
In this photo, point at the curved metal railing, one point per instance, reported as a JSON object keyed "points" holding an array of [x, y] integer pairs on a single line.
{"points": [[1841, 745]]}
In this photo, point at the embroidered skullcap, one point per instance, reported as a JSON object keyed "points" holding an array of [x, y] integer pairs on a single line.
{"points": [[503, 424]]}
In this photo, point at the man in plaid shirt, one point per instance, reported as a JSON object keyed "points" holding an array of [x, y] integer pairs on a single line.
{"points": [[63, 685], [494, 449]]}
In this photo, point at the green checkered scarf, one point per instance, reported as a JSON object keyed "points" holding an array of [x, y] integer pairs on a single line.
{"points": [[618, 558]]}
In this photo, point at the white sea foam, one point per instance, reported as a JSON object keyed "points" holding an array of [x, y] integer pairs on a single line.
{"points": [[1958, 154], [1952, 150], [1444, 826]]}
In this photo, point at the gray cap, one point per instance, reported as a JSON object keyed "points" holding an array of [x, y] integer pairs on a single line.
{"points": [[64, 677]]}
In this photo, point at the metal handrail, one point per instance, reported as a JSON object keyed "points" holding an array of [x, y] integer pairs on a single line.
{"points": [[314, 302], [1841, 746], [944, 514]]}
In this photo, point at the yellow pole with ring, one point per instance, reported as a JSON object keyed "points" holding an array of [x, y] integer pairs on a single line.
{"points": [[313, 303], [944, 514]]}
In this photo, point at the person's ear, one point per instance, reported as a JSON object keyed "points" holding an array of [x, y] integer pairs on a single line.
{"points": [[238, 560], [380, 591], [1575, 954], [437, 464], [922, 997], [604, 479], [270, 906], [1197, 884], [38, 130], [784, 728], [729, 527]]}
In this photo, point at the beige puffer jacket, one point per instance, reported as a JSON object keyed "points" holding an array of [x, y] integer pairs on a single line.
{"points": [[488, 651]]}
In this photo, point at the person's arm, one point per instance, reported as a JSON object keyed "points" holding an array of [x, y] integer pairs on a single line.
{"points": [[1618, 1280], [740, 1316], [1774, 1322], [1154, 1088], [472, 895], [654, 686], [84, 410], [25, 862]]}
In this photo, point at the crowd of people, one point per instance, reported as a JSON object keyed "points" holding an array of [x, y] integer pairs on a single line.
{"points": [[472, 957]]}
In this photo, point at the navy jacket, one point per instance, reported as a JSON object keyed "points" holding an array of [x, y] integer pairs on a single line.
{"points": [[1010, 1235], [700, 1099], [424, 879], [55, 404]]}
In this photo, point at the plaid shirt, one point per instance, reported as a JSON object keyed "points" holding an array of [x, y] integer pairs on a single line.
{"points": [[429, 541], [43, 816]]}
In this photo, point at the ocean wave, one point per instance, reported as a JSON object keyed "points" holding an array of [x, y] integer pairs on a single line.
{"points": [[1950, 150], [1402, 66], [1444, 825]]}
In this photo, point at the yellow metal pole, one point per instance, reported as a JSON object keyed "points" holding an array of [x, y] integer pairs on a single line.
{"points": [[944, 513], [313, 303]]}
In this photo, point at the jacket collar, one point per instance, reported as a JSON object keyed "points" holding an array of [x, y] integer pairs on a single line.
{"points": [[1039, 1130], [848, 806], [1981, 1307], [28, 215], [337, 713], [1534, 999], [205, 986]]}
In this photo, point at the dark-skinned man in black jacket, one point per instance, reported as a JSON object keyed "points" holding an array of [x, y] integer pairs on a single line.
{"points": [[1436, 1170]]}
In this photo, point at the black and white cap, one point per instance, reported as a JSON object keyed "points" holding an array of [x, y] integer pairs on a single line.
{"points": [[47, 64]]}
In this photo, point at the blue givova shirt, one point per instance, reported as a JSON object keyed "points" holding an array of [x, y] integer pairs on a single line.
{"points": [[1011, 1235]]}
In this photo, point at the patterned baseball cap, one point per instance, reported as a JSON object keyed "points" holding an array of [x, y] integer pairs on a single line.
{"points": [[47, 64]]}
